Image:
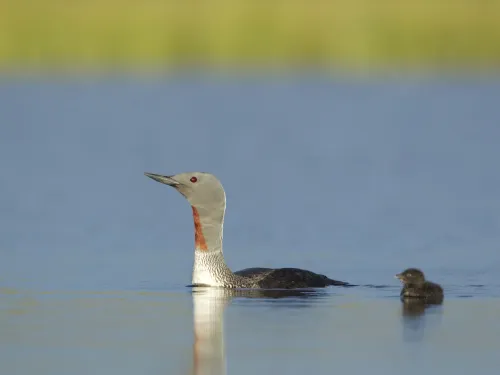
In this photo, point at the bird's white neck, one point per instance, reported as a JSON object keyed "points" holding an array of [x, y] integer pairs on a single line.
{"points": [[209, 266]]}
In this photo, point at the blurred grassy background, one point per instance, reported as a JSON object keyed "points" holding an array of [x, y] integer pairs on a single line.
{"points": [[166, 34]]}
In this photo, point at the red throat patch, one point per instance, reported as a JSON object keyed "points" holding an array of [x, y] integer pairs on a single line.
{"points": [[199, 238]]}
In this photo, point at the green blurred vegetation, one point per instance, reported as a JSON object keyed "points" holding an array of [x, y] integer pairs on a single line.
{"points": [[155, 34]]}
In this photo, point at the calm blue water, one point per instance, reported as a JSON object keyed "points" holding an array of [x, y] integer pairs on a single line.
{"points": [[356, 179]]}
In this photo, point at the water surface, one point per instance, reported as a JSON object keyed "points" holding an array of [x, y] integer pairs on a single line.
{"points": [[208, 332], [354, 179]]}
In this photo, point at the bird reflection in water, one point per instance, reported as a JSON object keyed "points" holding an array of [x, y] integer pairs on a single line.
{"points": [[412, 309], [415, 318], [209, 304]]}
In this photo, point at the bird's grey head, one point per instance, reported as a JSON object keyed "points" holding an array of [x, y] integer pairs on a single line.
{"points": [[202, 190]]}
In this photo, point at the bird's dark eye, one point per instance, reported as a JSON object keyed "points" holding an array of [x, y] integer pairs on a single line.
{"points": [[193, 179], [409, 275]]}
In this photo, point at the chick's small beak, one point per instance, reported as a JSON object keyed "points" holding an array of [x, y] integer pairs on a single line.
{"points": [[399, 276], [167, 180]]}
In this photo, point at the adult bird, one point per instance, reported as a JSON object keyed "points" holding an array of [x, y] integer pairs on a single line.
{"points": [[207, 198]]}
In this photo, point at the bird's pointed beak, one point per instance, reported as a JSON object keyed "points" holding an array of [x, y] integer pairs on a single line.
{"points": [[398, 276], [167, 180]]}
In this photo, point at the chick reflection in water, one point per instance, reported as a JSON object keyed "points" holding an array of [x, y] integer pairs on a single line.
{"points": [[208, 312], [412, 308]]}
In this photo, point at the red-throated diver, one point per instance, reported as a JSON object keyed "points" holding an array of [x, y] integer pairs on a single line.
{"points": [[208, 202]]}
